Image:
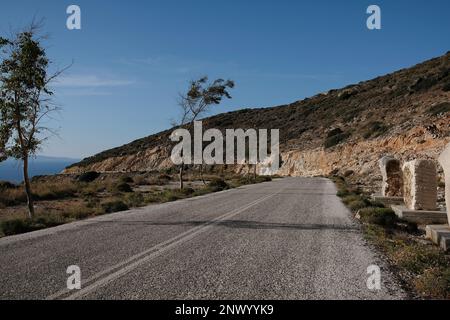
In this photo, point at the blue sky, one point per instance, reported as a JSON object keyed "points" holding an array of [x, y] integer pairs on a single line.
{"points": [[131, 58]]}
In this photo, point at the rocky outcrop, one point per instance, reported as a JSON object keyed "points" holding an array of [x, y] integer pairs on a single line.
{"points": [[362, 156], [152, 159]]}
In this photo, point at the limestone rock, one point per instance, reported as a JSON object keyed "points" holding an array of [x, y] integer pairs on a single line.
{"points": [[444, 160], [420, 185]]}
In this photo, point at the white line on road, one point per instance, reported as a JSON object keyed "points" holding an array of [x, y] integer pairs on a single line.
{"points": [[133, 262]]}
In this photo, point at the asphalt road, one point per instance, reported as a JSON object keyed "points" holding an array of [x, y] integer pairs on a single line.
{"points": [[287, 239]]}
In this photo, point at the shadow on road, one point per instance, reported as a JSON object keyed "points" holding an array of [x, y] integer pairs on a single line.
{"points": [[244, 224]]}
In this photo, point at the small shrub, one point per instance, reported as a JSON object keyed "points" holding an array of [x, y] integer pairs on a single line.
{"points": [[343, 193], [187, 191], [379, 216], [334, 132], [171, 195], [440, 108], [357, 205], [375, 129], [335, 140], [376, 204], [217, 185], [201, 192], [134, 200], [348, 173], [114, 206], [88, 176], [16, 226], [123, 187], [126, 179], [260, 179], [140, 181], [7, 185]]}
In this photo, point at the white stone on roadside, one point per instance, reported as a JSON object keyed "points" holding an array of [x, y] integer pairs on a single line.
{"points": [[444, 160], [420, 185]]}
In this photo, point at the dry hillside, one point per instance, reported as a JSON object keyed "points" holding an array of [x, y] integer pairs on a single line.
{"points": [[405, 113]]}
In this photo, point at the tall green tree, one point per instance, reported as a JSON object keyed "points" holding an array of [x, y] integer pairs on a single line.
{"points": [[197, 101], [24, 99]]}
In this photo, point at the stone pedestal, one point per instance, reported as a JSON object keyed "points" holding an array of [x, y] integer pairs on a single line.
{"points": [[444, 160], [420, 185], [392, 185], [440, 235], [421, 217]]}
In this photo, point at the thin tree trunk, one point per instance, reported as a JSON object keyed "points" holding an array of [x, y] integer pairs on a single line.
{"points": [[26, 179], [254, 172], [201, 174], [181, 177]]}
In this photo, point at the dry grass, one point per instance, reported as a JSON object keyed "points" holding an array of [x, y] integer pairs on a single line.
{"points": [[60, 200], [423, 267]]}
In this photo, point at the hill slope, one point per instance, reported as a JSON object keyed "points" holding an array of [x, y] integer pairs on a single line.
{"points": [[405, 113]]}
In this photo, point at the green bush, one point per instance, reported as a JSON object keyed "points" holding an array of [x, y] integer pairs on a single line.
{"points": [[260, 179], [335, 140], [218, 185], [355, 202], [375, 129], [358, 204], [18, 226], [379, 216], [343, 193], [88, 176], [123, 187], [114, 206], [134, 199]]}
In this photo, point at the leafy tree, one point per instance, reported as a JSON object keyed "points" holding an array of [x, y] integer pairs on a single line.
{"points": [[24, 99], [197, 101]]}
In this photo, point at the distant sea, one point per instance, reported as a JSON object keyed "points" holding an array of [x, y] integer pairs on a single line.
{"points": [[11, 170]]}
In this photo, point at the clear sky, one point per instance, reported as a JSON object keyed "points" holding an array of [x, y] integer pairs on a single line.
{"points": [[131, 58]]}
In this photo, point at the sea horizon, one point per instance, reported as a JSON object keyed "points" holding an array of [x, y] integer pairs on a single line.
{"points": [[11, 169]]}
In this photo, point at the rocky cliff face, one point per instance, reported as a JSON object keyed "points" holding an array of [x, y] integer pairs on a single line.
{"points": [[362, 157], [405, 114]]}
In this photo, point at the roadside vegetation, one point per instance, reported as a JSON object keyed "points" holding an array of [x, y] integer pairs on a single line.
{"points": [[62, 199], [423, 268]]}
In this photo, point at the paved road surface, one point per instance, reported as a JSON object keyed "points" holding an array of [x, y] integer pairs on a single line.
{"points": [[287, 239]]}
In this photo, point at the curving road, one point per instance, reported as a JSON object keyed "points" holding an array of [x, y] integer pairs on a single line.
{"points": [[287, 239]]}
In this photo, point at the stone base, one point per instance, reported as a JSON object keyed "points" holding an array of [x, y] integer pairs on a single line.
{"points": [[420, 216], [440, 235], [387, 200]]}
